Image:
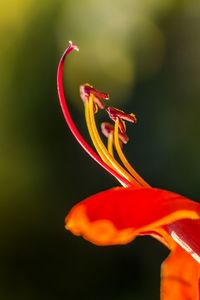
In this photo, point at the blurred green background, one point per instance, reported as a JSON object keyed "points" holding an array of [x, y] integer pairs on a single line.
{"points": [[146, 55]]}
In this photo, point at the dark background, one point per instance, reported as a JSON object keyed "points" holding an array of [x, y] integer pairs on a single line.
{"points": [[146, 54]]}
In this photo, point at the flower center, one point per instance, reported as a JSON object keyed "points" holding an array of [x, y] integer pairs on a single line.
{"points": [[116, 135]]}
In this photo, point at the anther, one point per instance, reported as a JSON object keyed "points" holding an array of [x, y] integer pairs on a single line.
{"points": [[115, 113], [86, 90], [108, 129]]}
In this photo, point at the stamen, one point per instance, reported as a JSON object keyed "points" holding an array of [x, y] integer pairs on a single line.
{"points": [[101, 147], [86, 90], [115, 113], [71, 124], [110, 145], [108, 129], [123, 159], [93, 136], [92, 99]]}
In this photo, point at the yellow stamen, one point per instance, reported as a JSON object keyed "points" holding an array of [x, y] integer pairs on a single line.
{"points": [[111, 159], [123, 159], [93, 138], [95, 143], [110, 144], [100, 147]]}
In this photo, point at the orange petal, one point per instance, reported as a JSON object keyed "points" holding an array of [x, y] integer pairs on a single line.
{"points": [[117, 215], [180, 276]]}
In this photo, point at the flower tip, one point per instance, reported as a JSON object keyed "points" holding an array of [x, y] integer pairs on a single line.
{"points": [[71, 225], [74, 47]]}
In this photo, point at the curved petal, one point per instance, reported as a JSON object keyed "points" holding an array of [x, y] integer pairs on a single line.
{"points": [[180, 276], [186, 233], [117, 215]]}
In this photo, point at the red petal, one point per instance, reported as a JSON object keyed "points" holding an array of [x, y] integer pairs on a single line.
{"points": [[117, 215], [180, 276], [187, 234]]}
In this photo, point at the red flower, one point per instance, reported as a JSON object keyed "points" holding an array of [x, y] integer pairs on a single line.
{"points": [[118, 215]]}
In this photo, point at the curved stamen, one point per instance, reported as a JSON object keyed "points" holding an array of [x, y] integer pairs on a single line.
{"points": [[110, 145], [123, 159], [86, 90], [107, 129], [98, 142], [71, 124], [115, 113], [93, 136]]}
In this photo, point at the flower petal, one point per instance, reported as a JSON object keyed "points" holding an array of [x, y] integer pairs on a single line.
{"points": [[180, 276], [118, 215], [187, 234]]}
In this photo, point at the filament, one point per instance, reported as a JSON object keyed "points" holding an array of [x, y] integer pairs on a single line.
{"points": [[102, 150], [110, 144], [93, 137], [123, 159]]}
